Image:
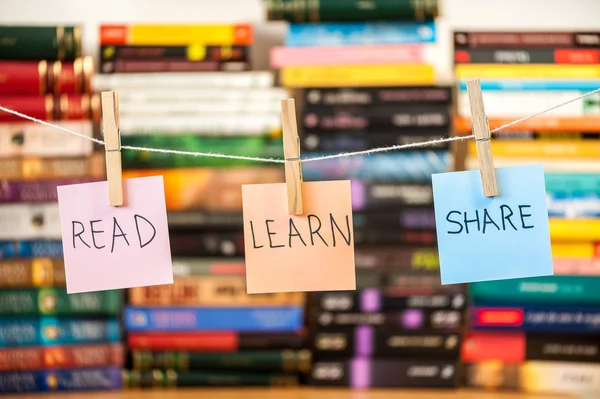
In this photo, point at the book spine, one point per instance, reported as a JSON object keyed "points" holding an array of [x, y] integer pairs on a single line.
{"points": [[33, 272], [35, 168], [187, 80], [214, 243], [413, 319], [550, 149], [462, 125], [164, 65], [535, 377], [357, 75], [373, 300], [379, 167], [482, 71], [212, 99], [205, 125], [421, 259], [562, 348], [200, 107], [381, 195], [418, 282], [56, 302], [39, 107], [33, 191], [97, 379], [29, 222], [71, 77], [251, 146], [362, 372], [61, 357], [585, 183], [539, 85], [208, 189], [365, 341], [415, 219], [520, 103], [40, 42], [34, 331], [554, 289], [276, 319], [200, 267], [176, 35], [281, 57], [348, 10], [374, 96], [526, 40], [23, 78], [31, 249], [172, 379], [554, 165], [543, 319], [77, 107], [207, 291], [111, 53], [354, 118], [527, 56], [214, 342], [37, 140], [330, 141], [288, 361], [577, 267], [331, 34], [208, 220], [506, 347], [391, 236]]}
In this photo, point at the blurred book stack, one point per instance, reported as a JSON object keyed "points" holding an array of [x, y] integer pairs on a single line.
{"points": [[49, 340], [361, 80], [190, 88], [544, 333]]}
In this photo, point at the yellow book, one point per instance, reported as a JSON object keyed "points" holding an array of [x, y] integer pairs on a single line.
{"points": [[543, 148], [575, 229], [176, 35], [357, 75], [479, 71], [580, 250]]}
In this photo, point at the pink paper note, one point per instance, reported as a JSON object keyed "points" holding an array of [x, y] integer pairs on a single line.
{"points": [[281, 253], [107, 247]]}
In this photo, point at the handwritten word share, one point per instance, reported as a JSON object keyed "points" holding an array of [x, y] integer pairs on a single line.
{"points": [[495, 238], [108, 247], [309, 252]]}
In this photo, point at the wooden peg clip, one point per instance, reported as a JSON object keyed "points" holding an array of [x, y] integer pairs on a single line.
{"points": [[481, 130], [291, 153], [112, 147]]}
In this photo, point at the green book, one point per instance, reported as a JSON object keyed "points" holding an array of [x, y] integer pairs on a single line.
{"points": [[250, 146], [583, 183], [171, 379], [351, 10], [56, 302], [40, 42], [565, 290], [264, 361]]}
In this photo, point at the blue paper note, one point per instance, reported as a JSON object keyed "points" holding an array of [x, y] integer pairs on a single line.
{"points": [[505, 237]]}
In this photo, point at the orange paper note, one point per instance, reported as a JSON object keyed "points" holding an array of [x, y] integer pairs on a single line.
{"points": [[310, 252]]}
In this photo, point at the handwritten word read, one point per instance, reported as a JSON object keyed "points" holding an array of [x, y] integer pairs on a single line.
{"points": [[502, 237], [310, 252], [107, 247]]}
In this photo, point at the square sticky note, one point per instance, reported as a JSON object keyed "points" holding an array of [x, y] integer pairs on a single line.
{"points": [[108, 247], [495, 238], [288, 253]]}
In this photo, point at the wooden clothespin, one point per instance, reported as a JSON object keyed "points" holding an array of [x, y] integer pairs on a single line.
{"points": [[291, 153], [481, 130], [112, 147]]}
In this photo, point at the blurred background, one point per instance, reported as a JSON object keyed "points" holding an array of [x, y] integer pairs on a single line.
{"points": [[209, 77]]}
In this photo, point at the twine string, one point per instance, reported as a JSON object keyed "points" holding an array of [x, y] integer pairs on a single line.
{"points": [[428, 143]]}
